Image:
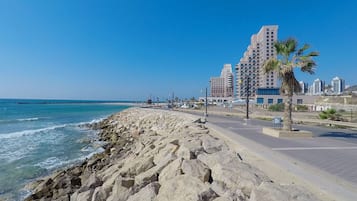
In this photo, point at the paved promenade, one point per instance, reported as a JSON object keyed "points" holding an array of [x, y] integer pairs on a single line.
{"points": [[325, 163]]}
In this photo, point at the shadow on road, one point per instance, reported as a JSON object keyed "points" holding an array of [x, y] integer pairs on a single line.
{"points": [[339, 134]]}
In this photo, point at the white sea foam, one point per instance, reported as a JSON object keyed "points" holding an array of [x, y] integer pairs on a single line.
{"points": [[29, 119], [19, 120], [54, 162], [50, 163], [30, 132], [91, 122]]}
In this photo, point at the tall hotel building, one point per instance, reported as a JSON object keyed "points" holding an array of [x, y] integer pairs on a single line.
{"points": [[261, 48]]}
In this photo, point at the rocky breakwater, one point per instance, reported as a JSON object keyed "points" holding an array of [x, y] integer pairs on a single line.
{"points": [[162, 155]]}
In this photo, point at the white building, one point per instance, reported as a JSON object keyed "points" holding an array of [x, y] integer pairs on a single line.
{"points": [[318, 87], [227, 74], [338, 85], [304, 87], [261, 48]]}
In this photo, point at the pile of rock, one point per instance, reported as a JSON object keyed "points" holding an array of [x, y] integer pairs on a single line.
{"points": [[162, 155]]}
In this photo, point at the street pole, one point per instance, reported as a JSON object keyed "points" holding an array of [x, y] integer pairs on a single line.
{"points": [[247, 111], [206, 104]]}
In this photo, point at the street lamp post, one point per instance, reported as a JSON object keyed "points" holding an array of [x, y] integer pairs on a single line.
{"points": [[247, 91], [206, 104]]}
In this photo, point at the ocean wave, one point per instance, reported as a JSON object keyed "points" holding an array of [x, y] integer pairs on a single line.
{"points": [[6, 121], [30, 132], [54, 162], [29, 119], [91, 122]]}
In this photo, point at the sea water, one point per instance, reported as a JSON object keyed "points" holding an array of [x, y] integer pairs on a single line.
{"points": [[40, 136]]}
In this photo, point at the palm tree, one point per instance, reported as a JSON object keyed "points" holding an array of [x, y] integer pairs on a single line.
{"points": [[289, 58]]}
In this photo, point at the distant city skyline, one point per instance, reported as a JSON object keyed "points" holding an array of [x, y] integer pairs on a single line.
{"points": [[131, 50]]}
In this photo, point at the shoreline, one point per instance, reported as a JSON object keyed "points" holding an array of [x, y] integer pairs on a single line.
{"points": [[132, 163]]}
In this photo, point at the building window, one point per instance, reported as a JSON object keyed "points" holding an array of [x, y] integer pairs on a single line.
{"points": [[280, 100], [270, 101], [260, 100], [299, 101]]}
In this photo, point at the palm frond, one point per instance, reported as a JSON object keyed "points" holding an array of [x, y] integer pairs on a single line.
{"points": [[313, 54], [280, 48], [291, 45], [271, 65], [300, 52], [308, 66]]}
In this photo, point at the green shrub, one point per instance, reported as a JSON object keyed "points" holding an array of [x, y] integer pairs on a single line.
{"points": [[277, 107], [301, 108], [330, 114]]}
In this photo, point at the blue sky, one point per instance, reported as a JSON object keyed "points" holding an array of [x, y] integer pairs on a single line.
{"points": [[130, 49]]}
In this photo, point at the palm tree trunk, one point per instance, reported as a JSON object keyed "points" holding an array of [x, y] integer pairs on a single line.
{"points": [[287, 123]]}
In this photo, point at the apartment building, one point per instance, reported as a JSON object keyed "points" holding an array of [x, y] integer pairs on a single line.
{"points": [[338, 85], [222, 86], [304, 87], [249, 72], [318, 87]]}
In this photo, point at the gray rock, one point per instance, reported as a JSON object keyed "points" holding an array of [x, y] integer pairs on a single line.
{"points": [[170, 171], [269, 191], [148, 193], [223, 199], [137, 166], [91, 183], [190, 149], [242, 177], [83, 196], [196, 168], [147, 177], [211, 145], [184, 187], [227, 158], [120, 191], [100, 194]]}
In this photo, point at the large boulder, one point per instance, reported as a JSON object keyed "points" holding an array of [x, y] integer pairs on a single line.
{"points": [[227, 158], [268, 191], [122, 189], [196, 168], [148, 193], [185, 187], [242, 177], [170, 171], [137, 166], [212, 145], [83, 196], [190, 149]]}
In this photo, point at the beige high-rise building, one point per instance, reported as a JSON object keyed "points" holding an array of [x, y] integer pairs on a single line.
{"points": [[249, 69], [223, 86]]}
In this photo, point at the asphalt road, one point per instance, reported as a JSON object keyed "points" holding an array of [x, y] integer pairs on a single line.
{"points": [[331, 150]]}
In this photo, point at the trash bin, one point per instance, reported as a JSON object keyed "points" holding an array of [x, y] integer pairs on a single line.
{"points": [[277, 122]]}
